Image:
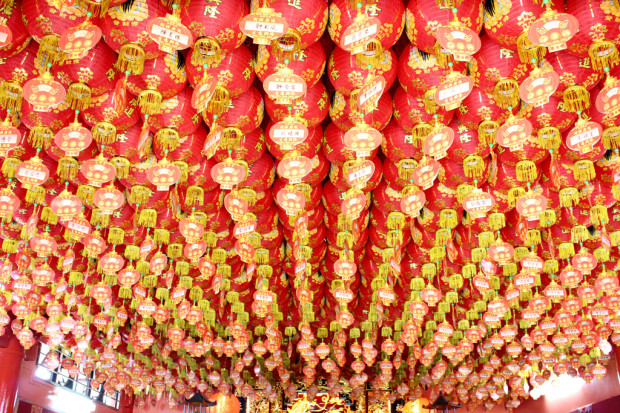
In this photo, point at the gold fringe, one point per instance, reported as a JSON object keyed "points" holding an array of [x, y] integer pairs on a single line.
{"points": [[35, 195], [99, 218], [9, 165], [576, 98], [526, 171], [121, 165], [514, 194], [98, 8], [149, 101], [487, 130], [598, 215], [579, 233], [429, 270], [49, 50], [184, 168], [194, 196], [207, 51], [549, 137], [78, 96], [528, 50], [462, 191], [67, 168], [583, 170], [497, 221], [372, 54], [40, 136], [533, 237], [603, 53], [139, 194], [566, 250], [441, 237], [11, 96], [131, 57], [47, 215], [218, 255], [174, 251], [601, 254], [168, 138], [132, 252], [405, 168], [486, 239], [9, 246], [547, 218], [437, 254], [220, 100], [116, 236], [104, 132], [506, 93], [615, 191], [448, 218], [161, 236], [430, 105], [419, 132], [611, 137], [551, 267], [396, 220], [85, 193], [148, 218], [569, 197], [473, 166]]}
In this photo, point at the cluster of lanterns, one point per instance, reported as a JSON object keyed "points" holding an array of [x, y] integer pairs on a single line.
{"points": [[189, 203]]}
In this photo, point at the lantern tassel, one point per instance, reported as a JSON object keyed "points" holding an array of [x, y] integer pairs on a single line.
{"points": [[139, 194], [85, 193], [526, 171], [583, 170], [487, 130], [11, 96], [9, 165], [207, 51], [49, 49], [40, 136], [603, 53], [528, 50], [167, 138], [131, 57], [576, 98], [579, 233], [47, 215], [148, 218], [566, 250], [35, 195], [122, 166], [78, 96], [506, 93], [104, 132], [67, 168], [611, 137], [116, 236], [150, 102], [194, 196], [9, 246], [220, 100]]}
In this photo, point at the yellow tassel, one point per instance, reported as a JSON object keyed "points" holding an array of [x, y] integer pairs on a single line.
{"points": [[149, 101], [615, 191], [116, 236], [429, 270], [551, 267], [533, 237], [174, 250], [497, 221], [98, 218], [514, 194], [148, 218], [547, 218], [265, 271], [49, 50], [509, 270], [601, 254], [85, 193], [131, 57], [477, 254], [487, 130], [598, 215], [207, 51], [528, 50], [396, 220], [122, 166], [549, 137], [249, 195], [405, 168], [194, 196], [344, 223], [9, 165], [261, 256], [184, 167], [526, 171], [569, 197], [583, 170], [615, 238], [161, 236], [520, 252], [603, 53], [104, 132], [167, 138], [132, 252], [579, 233], [67, 168], [419, 132], [506, 93], [210, 238], [442, 57], [78, 96], [441, 237], [11, 96], [437, 254], [611, 137], [35, 195], [9, 246], [576, 98], [448, 218], [486, 239], [469, 271], [220, 100], [473, 166], [218, 255], [125, 293], [40, 136], [139, 194], [430, 105], [371, 55], [462, 191], [47, 215], [98, 8], [142, 267]]}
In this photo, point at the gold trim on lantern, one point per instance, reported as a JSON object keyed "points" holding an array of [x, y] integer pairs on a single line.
{"points": [[78, 96], [11, 96], [131, 57], [603, 53], [220, 100], [549, 137], [506, 93], [168, 138], [487, 129], [526, 171], [150, 102], [207, 51], [528, 50], [576, 98], [67, 168], [40, 136]]}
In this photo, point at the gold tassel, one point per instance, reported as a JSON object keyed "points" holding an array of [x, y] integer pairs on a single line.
{"points": [[49, 50], [167, 138], [419, 132], [104, 132], [448, 218], [249, 195], [497, 221], [261, 256], [231, 138], [35, 195], [11, 96], [139, 194], [615, 191], [506, 93], [528, 50], [195, 195], [437, 254], [520, 252], [579, 233], [116, 236], [99, 218], [67, 168], [78, 96], [598, 215], [142, 267], [487, 130], [9, 246], [218, 255], [601, 254], [442, 57], [576, 98], [125, 293], [448, 4], [148, 218], [131, 57], [149, 101], [569, 197], [40, 136], [85, 193], [477, 254], [486, 239], [430, 105], [396, 220], [533, 237], [405, 168], [566, 250], [174, 251], [132, 252], [184, 167], [469, 271], [441, 237], [514, 194], [551, 267], [603, 53], [47, 215], [429, 270], [526, 171], [161, 236], [547, 218], [371, 55], [207, 51], [98, 8], [9, 165], [220, 100], [615, 238], [583, 170], [549, 137], [473, 166], [122, 166], [210, 238], [611, 137], [462, 191]]}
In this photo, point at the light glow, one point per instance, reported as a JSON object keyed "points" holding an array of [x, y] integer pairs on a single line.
{"points": [[65, 401]]}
